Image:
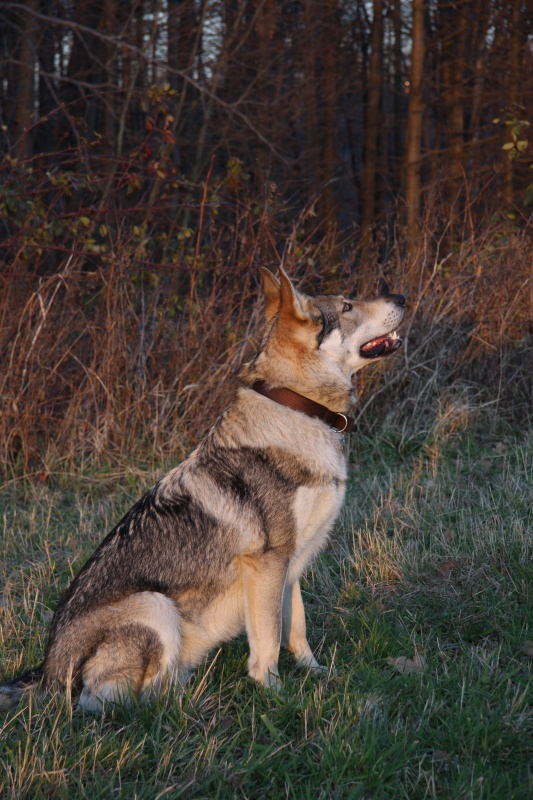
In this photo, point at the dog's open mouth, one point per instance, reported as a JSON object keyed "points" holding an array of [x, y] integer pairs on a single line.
{"points": [[382, 346]]}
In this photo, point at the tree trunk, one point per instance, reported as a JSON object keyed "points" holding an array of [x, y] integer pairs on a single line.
{"points": [[454, 39], [414, 123], [372, 120], [109, 73], [25, 96], [514, 46], [328, 145], [399, 86], [46, 134]]}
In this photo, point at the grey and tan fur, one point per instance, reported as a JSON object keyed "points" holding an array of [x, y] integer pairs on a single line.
{"points": [[218, 544]]}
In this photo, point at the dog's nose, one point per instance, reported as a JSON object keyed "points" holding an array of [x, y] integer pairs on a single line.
{"points": [[398, 299]]}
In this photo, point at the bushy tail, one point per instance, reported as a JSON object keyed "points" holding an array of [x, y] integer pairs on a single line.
{"points": [[11, 693]]}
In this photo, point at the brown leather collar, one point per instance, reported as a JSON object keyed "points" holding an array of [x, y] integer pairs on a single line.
{"points": [[286, 397]]}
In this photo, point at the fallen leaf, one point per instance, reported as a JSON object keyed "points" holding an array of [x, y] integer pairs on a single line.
{"points": [[446, 568], [403, 664]]}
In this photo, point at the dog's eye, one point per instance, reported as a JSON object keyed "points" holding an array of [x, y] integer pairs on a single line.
{"points": [[347, 307]]}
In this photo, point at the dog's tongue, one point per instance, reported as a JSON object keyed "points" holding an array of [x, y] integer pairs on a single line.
{"points": [[381, 346], [374, 343]]}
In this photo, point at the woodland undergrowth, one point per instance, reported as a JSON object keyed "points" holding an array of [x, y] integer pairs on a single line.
{"points": [[123, 321]]}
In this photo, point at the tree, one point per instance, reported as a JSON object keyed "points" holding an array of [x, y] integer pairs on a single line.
{"points": [[415, 116], [24, 111], [372, 119]]}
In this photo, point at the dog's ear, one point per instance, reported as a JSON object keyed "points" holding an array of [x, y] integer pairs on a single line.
{"points": [[272, 291], [290, 307]]}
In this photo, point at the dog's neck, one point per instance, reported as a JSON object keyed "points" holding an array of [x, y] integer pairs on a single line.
{"points": [[298, 402], [335, 395]]}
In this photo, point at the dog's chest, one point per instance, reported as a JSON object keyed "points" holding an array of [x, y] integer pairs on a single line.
{"points": [[315, 510], [317, 506]]}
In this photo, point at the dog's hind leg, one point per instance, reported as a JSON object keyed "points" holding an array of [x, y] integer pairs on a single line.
{"points": [[263, 581], [294, 634], [126, 662], [135, 656]]}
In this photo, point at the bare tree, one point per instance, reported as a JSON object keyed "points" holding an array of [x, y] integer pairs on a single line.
{"points": [[24, 112]]}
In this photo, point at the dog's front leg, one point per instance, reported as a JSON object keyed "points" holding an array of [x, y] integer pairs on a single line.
{"points": [[263, 580], [294, 635]]}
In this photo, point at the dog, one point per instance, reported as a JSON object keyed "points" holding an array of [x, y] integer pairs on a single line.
{"points": [[218, 545]]}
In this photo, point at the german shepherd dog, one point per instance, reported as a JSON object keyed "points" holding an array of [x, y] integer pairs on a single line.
{"points": [[219, 543]]}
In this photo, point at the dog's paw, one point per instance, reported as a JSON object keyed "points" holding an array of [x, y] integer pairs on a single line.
{"points": [[272, 681], [268, 677], [308, 661], [316, 668]]}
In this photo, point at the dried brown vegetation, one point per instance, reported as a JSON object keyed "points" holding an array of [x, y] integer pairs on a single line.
{"points": [[109, 360]]}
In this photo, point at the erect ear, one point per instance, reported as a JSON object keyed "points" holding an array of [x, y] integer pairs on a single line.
{"points": [[272, 291], [290, 307]]}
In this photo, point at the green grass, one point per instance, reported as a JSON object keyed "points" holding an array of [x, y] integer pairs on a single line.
{"points": [[432, 554]]}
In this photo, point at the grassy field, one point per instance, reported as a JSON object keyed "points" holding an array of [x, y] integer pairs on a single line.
{"points": [[421, 608]]}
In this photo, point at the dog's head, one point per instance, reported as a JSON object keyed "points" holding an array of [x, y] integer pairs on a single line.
{"points": [[330, 335]]}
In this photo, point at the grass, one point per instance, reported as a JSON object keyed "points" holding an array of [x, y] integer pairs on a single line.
{"points": [[431, 558]]}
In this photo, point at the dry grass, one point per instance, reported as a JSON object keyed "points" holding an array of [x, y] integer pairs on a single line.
{"points": [[112, 363]]}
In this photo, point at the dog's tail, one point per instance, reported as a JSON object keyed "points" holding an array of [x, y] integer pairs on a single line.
{"points": [[12, 692]]}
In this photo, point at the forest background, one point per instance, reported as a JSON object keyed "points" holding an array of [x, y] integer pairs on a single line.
{"points": [[156, 152]]}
